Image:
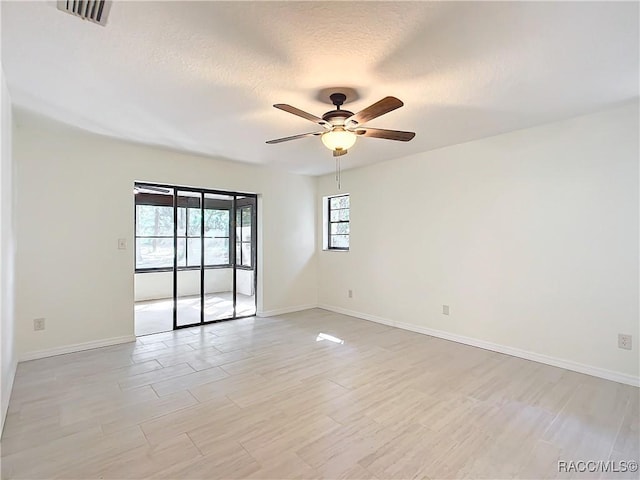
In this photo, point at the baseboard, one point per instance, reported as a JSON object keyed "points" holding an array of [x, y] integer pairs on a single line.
{"points": [[494, 347], [78, 347], [282, 311], [353, 313]]}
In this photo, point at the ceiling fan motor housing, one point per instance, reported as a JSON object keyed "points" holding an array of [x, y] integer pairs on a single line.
{"points": [[337, 117]]}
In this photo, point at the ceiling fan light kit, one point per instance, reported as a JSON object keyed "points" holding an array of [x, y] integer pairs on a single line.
{"points": [[339, 139]]}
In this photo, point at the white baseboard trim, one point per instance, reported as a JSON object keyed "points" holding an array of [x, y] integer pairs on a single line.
{"points": [[78, 347], [494, 347], [282, 311], [353, 313]]}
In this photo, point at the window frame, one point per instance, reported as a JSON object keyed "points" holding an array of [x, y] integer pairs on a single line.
{"points": [[240, 242], [136, 237], [328, 223]]}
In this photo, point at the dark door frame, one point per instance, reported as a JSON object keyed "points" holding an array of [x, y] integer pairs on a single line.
{"points": [[232, 247]]}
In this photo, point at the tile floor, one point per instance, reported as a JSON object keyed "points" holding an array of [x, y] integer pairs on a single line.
{"points": [[156, 316], [271, 398]]}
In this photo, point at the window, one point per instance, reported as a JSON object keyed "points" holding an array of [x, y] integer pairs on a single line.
{"points": [[216, 237], [338, 223], [188, 237], [154, 230], [244, 236], [154, 237]]}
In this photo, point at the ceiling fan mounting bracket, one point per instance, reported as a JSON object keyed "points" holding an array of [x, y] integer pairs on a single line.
{"points": [[338, 99], [324, 95]]}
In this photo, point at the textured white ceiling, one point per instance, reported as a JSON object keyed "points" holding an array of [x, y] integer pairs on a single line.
{"points": [[202, 76]]}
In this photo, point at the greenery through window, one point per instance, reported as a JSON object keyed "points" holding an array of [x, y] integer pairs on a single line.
{"points": [[338, 227], [154, 237], [216, 237]]}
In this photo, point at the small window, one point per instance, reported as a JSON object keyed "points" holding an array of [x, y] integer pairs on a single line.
{"points": [[337, 236]]}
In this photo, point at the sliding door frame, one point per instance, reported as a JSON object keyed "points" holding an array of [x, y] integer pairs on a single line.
{"points": [[232, 247]]}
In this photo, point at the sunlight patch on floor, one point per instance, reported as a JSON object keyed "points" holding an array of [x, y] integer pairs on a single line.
{"points": [[331, 338]]}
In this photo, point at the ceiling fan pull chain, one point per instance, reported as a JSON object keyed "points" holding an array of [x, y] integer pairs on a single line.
{"points": [[338, 172]]}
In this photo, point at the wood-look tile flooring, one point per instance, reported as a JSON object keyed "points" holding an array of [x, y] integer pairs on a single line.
{"points": [[269, 398]]}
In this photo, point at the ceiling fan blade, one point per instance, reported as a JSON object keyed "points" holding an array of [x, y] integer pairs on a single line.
{"points": [[294, 137], [303, 114], [387, 134], [386, 105]]}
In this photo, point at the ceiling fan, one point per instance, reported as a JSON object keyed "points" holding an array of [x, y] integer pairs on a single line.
{"points": [[342, 127]]}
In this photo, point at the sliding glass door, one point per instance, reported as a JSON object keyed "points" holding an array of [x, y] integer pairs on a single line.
{"points": [[219, 289], [208, 247], [154, 255], [188, 259]]}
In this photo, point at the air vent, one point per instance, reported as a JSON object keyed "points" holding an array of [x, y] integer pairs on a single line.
{"points": [[94, 11]]}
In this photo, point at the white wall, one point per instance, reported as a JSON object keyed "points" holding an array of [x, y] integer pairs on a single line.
{"points": [[158, 285], [530, 237], [8, 358], [75, 200]]}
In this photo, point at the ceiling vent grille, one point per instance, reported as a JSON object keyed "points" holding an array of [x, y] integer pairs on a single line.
{"points": [[95, 11]]}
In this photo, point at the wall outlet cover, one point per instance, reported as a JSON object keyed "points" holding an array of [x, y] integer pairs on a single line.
{"points": [[624, 341], [445, 309], [38, 324]]}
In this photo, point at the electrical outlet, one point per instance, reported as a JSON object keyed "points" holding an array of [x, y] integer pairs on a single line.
{"points": [[122, 244], [624, 341], [38, 324], [445, 309], [350, 293]]}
